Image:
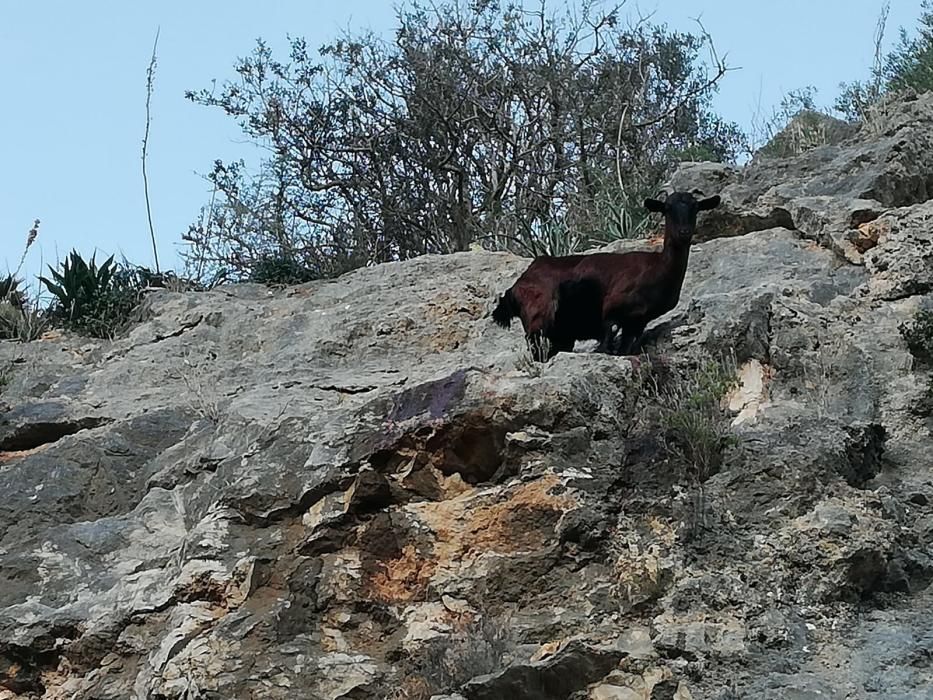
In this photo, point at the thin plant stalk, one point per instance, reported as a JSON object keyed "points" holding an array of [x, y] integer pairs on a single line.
{"points": [[150, 79]]}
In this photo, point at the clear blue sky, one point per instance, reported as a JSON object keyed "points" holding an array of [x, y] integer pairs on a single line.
{"points": [[72, 77]]}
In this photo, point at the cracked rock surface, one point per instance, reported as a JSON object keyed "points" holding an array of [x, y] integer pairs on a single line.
{"points": [[362, 488]]}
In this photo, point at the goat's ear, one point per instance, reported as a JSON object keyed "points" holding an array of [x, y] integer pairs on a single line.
{"points": [[654, 205], [709, 202]]}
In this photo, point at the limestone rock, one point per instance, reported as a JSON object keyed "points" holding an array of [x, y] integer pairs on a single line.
{"points": [[360, 488]]}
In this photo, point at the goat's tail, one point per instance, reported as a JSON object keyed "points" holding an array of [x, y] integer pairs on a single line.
{"points": [[506, 310]]}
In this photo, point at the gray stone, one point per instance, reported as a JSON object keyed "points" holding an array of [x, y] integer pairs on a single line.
{"points": [[571, 669], [356, 487]]}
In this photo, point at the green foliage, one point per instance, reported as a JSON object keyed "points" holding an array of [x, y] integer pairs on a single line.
{"points": [[9, 316], [19, 319], [281, 269], [855, 99], [10, 292], [557, 238], [908, 66], [166, 279], [480, 121], [25, 322], [79, 282], [789, 129], [687, 408], [695, 153], [796, 125], [805, 131], [94, 300], [612, 213]]}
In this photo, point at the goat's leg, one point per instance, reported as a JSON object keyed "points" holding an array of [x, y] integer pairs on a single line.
{"points": [[610, 340], [630, 341], [617, 338]]}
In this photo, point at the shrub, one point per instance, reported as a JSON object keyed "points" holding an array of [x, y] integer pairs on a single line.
{"points": [[20, 319], [25, 322], [10, 292], [281, 269], [910, 63], [686, 408], [166, 279], [94, 300], [797, 125], [806, 130], [477, 121], [908, 66]]}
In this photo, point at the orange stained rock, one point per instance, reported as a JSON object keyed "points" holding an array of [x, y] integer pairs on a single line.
{"points": [[868, 235], [19, 454], [471, 524], [467, 526], [403, 579]]}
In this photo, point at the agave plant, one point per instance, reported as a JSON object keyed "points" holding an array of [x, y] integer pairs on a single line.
{"points": [[79, 283], [10, 293], [95, 300], [19, 319]]}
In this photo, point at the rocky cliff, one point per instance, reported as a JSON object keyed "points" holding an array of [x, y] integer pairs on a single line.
{"points": [[362, 488]]}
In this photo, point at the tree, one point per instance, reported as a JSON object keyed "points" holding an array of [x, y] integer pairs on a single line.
{"points": [[908, 66], [478, 122]]}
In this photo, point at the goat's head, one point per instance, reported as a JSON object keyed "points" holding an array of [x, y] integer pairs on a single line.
{"points": [[680, 211]]}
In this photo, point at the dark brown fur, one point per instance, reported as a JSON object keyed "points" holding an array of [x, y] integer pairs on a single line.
{"points": [[606, 296]]}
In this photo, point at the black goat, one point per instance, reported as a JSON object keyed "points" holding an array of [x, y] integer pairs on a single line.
{"points": [[606, 296]]}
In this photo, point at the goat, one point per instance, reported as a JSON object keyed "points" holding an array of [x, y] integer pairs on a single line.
{"points": [[610, 297]]}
